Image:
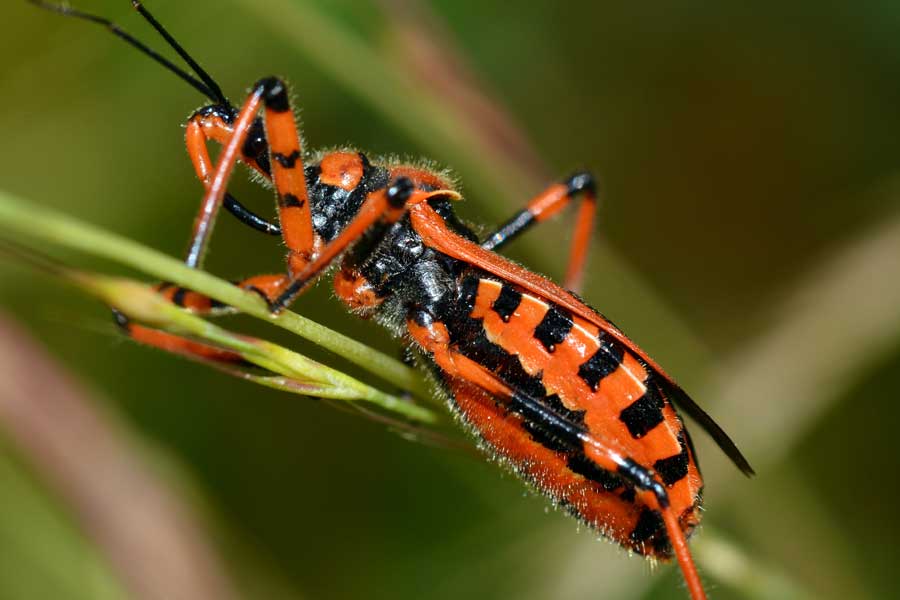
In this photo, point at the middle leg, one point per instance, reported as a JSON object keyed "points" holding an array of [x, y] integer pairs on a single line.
{"points": [[547, 204]]}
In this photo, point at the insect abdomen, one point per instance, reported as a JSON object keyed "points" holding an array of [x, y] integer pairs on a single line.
{"points": [[577, 371]]}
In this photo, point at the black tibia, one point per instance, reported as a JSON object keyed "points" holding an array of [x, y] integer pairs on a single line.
{"points": [[520, 222], [524, 219], [247, 217], [643, 479]]}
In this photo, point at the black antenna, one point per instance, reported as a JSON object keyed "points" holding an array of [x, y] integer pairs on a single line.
{"points": [[207, 87], [217, 94]]}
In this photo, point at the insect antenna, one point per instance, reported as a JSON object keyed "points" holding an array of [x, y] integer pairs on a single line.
{"points": [[217, 94], [205, 84]]}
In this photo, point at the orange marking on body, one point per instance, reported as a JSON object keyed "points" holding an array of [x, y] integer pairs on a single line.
{"points": [[624, 385], [341, 169], [513, 335], [662, 440], [516, 336], [559, 372], [687, 490], [601, 509], [592, 330], [434, 232], [487, 292], [561, 367], [617, 391]]}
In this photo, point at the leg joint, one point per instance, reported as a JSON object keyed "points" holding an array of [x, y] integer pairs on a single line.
{"points": [[274, 94], [644, 479], [582, 181]]}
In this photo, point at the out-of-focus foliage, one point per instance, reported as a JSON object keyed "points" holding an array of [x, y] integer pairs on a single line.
{"points": [[740, 147]]}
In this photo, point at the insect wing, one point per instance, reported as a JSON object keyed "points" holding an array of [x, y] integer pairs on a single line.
{"points": [[435, 233]]}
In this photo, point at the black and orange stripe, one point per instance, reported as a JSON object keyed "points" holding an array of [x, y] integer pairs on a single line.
{"points": [[576, 370]]}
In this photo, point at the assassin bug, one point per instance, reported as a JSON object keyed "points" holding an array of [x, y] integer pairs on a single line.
{"points": [[547, 383]]}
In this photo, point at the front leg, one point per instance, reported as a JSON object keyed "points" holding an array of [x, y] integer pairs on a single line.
{"points": [[293, 202], [216, 123], [283, 163], [381, 209]]}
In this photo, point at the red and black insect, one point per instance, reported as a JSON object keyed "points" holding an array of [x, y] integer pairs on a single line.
{"points": [[546, 382]]}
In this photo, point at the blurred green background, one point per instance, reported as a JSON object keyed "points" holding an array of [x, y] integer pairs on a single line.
{"points": [[747, 238]]}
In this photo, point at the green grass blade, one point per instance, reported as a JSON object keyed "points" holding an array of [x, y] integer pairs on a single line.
{"points": [[49, 227]]}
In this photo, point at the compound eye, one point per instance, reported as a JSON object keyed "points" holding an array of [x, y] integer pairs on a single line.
{"points": [[399, 191]]}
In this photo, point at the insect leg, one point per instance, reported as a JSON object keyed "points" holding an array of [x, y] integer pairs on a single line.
{"points": [[282, 162], [286, 167], [248, 217], [267, 286], [547, 204], [175, 344], [380, 209], [434, 338], [293, 202], [215, 123]]}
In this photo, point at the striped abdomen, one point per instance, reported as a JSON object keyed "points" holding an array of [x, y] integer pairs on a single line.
{"points": [[579, 372]]}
